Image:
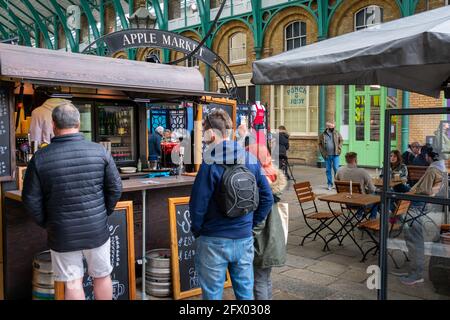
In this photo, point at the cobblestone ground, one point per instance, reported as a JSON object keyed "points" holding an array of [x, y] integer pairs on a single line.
{"points": [[337, 274]]}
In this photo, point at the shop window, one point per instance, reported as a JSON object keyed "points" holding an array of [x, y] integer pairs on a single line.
{"points": [[191, 62], [295, 35], [246, 94], [238, 48], [175, 9], [368, 16], [296, 107]]}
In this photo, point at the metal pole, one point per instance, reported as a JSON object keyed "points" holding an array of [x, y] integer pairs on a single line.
{"points": [[446, 197], [322, 116], [382, 258], [144, 193], [405, 121]]}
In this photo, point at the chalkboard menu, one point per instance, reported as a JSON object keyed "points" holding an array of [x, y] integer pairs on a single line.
{"points": [[184, 276], [121, 235], [7, 154], [209, 107]]}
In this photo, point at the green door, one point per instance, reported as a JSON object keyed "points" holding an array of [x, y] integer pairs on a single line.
{"points": [[364, 120], [368, 124]]}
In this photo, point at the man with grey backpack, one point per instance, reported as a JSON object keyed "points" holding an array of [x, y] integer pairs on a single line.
{"points": [[230, 196]]}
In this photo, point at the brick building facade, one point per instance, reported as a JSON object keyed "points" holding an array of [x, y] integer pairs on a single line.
{"points": [[290, 25]]}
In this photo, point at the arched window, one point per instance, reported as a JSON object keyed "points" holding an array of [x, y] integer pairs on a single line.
{"points": [[368, 16], [191, 62], [294, 35], [238, 48]]}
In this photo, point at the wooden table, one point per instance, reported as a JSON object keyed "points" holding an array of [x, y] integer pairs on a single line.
{"points": [[378, 182], [351, 222], [355, 200]]}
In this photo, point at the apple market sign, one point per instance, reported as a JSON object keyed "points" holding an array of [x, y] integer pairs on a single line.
{"points": [[152, 38]]}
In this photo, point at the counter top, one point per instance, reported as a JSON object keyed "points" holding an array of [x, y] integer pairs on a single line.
{"points": [[133, 185], [156, 183]]}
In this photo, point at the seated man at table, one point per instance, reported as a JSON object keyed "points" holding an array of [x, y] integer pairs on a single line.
{"points": [[351, 172], [420, 220]]}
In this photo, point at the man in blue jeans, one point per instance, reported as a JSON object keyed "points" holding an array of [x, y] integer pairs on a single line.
{"points": [[224, 242], [330, 144]]}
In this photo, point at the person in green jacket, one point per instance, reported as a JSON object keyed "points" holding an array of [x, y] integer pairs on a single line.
{"points": [[269, 235]]}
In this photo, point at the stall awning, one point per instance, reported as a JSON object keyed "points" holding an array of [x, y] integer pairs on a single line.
{"points": [[411, 53], [81, 70]]}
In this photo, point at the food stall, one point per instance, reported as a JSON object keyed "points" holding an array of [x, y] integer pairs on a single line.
{"points": [[113, 97]]}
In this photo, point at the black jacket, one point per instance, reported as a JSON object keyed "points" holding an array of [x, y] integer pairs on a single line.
{"points": [[70, 188], [284, 143], [154, 146]]}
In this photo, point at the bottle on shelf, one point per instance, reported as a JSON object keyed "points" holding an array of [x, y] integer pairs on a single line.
{"points": [[101, 120], [139, 165]]}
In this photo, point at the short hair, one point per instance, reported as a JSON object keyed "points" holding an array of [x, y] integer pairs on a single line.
{"points": [[415, 144], [282, 128], [66, 115], [350, 156], [218, 119]]}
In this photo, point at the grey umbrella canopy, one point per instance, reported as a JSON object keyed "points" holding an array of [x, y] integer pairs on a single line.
{"points": [[411, 53]]}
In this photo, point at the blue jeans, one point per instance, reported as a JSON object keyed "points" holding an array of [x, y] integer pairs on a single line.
{"points": [[213, 257], [263, 283], [331, 162]]}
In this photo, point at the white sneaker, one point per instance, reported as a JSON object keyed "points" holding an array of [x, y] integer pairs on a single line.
{"points": [[330, 188]]}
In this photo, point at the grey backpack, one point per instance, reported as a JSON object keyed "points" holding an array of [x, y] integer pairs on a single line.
{"points": [[237, 194]]}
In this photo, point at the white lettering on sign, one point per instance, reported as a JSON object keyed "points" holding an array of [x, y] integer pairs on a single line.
{"points": [[126, 41], [186, 223], [296, 96]]}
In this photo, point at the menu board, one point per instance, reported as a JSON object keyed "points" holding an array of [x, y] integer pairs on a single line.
{"points": [[120, 227], [7, 154], [184, 276]]}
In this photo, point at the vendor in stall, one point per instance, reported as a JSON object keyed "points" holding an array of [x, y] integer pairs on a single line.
{"points": [[167, 136], [41, 127], [154, 144]]}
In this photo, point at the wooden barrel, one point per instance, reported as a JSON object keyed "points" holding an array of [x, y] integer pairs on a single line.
{"points": [[158, 273], [43, 281]]}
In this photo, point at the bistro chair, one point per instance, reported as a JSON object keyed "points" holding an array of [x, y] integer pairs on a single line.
{"points": [[415, 173], [306, 199], [344, 186], [372, 228]]}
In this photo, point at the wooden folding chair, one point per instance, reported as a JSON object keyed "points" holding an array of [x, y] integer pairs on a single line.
{"points": [[344, 186], [415, 173], [306, 199], [372, 228]]}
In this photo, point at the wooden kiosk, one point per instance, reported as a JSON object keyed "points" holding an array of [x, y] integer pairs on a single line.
{"points": [[97, 79]]}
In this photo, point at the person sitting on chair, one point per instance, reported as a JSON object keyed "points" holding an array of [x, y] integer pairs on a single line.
{"points": [[432, 183], [351, 172]]}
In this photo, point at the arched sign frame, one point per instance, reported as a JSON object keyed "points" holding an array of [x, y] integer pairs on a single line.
{"points": [[118, 41]]}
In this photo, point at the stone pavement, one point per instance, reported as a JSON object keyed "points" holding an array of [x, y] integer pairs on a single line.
{"points": [[311, 273], [338, 274]]}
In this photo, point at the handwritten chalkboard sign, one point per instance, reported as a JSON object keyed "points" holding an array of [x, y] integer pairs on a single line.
{"points": [[120, 227], [7, 147], [184, 276]]}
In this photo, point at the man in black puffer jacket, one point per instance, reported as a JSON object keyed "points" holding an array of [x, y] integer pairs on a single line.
{"points": [[70, 188]]}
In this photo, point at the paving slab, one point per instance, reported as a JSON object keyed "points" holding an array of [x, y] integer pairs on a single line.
{"points": [[310, 276], [328, 268]]}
